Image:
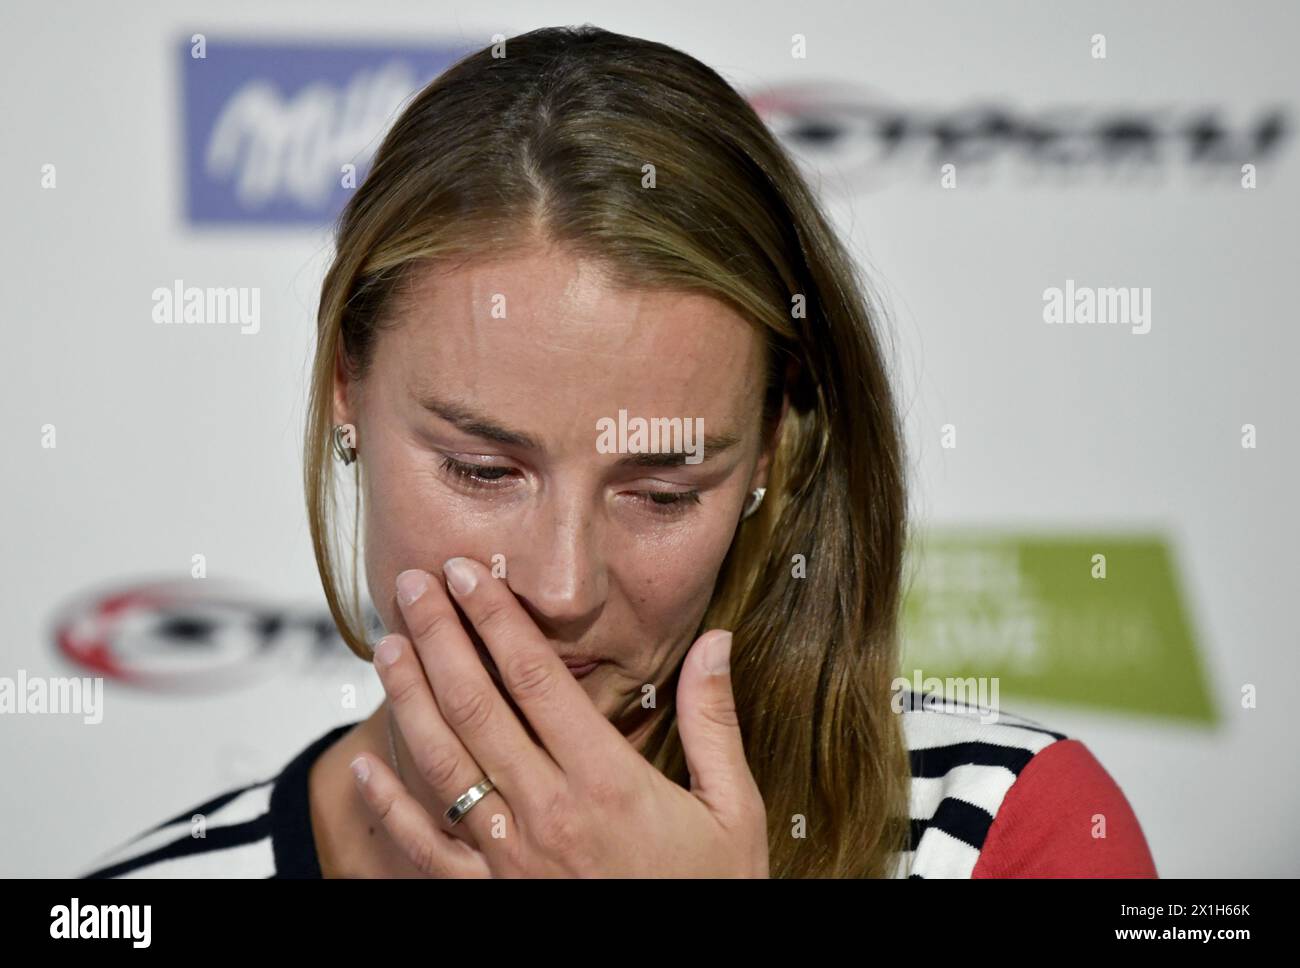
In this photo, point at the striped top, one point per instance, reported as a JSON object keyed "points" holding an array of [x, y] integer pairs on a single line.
{"points": [[259, 830], [1009, 798]]}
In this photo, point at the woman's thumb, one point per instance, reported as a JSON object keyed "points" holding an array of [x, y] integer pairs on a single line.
{"points": [[708, 724]]}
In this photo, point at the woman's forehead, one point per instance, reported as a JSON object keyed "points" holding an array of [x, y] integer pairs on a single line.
{"points": [[550, 327], [570, 299]]}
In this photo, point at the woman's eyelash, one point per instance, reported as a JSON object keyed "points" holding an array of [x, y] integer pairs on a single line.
{"points": [[678, 502], [470, 473], [667, 503]]}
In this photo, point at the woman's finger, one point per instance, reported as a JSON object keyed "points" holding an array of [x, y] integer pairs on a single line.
{"points": [[433, 852], [575, 734], [444, 763], [472, 704]]}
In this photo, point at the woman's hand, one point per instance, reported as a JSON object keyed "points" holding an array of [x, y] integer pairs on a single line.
{"points": [[578, 800]]}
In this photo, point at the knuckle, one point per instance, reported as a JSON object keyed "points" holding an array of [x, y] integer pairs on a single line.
{"points": [[723, 713], [748, 811], [430, 623], [609, 795], [557, 831], [491, 614], [382, 807], [529, 675], [405, 689], [423, 856], [468, 706], [439, 764], [554, 828]]}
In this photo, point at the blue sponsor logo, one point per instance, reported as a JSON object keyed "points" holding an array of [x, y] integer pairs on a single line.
{"points": [[270, 128]]}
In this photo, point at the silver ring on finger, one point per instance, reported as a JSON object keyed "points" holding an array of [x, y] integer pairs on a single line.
{"points": [[466, 801]]}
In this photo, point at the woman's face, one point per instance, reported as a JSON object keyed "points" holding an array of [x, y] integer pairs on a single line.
{"points": [[476, 426]]}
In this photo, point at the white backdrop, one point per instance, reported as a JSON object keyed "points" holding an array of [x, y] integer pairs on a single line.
{"points": [[174, 441]]}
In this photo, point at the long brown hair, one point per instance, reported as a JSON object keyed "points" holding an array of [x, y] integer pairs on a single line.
{"points": [[636, 155]]}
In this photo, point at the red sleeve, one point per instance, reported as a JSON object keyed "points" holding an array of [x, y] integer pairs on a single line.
{"points": [[1050, 822]]}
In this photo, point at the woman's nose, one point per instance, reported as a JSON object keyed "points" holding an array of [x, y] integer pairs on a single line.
{"points": [[557, 568]]}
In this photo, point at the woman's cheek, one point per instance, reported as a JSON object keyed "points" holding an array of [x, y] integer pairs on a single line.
{"points": [[675, 585], [414, 527]]}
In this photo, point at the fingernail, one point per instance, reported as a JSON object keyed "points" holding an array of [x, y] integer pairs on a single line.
{"points": [[360, 770], [387, 651], [717, 655], [460, 575], [411, 585]]}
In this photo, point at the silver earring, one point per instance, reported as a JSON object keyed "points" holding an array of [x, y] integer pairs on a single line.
{"points": [[755, 499], [341, 449]]}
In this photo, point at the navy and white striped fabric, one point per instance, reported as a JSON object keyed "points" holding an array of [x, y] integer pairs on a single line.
{"points": [[962, 769], [259, 830]]}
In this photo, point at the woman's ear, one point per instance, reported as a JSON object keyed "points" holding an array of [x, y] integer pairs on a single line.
{"points": [[772, 436], [343, 391]]}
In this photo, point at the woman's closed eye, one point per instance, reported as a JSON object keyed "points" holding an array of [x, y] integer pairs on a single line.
{"points": [[477, 475], [493, 477]]}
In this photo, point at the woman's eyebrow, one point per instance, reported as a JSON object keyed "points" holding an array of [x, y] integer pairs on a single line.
{"points": [[468, 420], [714, 444], [471, 421]]}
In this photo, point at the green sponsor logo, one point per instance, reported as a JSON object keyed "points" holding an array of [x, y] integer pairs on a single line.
{"points": [[1094, 620]]}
